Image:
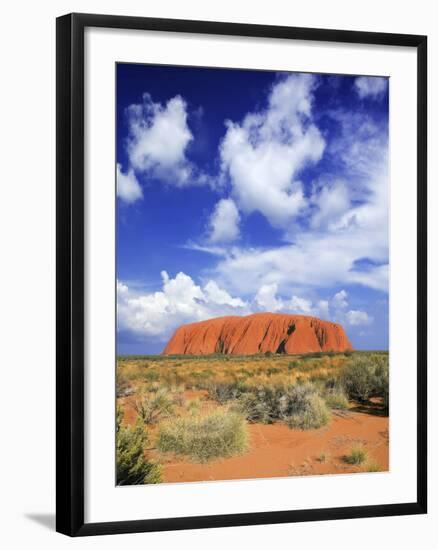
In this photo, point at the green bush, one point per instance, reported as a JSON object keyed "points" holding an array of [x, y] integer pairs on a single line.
{"points": [[336, 400], [367, 376], [358, 378], [153, 407], [132, 466], [381, 379], [203, 438]]}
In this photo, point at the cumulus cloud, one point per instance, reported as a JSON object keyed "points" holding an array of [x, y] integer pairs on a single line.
{"points": [[301, 305], [357, 318], [370, 86], [128, 188], [264, 154], [224, 222], [347, 220], [339, 300], [334, 309], [179, 301], [266, 298], [158, 140]]}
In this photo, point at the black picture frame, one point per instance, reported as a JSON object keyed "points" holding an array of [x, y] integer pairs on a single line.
{"points": [[70, 273]]}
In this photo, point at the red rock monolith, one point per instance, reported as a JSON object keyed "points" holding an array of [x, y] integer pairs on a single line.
{"points": [[258, 333]]}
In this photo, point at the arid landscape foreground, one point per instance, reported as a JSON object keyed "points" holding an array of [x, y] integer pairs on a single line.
{"points": [[219, 417]]}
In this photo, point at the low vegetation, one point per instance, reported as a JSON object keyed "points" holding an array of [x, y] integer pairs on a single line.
{"points": [[132, 466], [199, 406], [308, 412], [298, 406], [152, 407], [336, 399], [364, 377], [357, 455], [204, 437], [323, 457], [373, 466]]}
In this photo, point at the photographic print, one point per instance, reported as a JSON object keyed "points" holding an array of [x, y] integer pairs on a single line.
{"points": [[252, 265]]}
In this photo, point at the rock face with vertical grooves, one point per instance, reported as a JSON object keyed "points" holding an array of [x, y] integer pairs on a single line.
{"points": [[258, 333]]}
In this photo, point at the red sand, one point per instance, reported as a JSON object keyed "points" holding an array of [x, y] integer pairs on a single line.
{"points": [[258, 333], [278, 451]]}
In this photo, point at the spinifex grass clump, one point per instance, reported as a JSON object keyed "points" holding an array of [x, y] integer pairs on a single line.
{"points": [[337, 400], [152, 407], [203, 438], [357, 455], [303, 408]]}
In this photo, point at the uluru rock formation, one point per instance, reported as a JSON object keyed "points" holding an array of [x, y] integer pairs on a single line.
{"points": [[258, 333]]}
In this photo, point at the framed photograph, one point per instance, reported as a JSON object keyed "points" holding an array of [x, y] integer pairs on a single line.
{"points": [[241, 274]]}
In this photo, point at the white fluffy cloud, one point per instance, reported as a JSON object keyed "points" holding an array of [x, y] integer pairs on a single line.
{"points": [[128, 188], [370, 86], [224, 222], [301, 305], [339, 300], [158, 139], [266, 298], [264, 155], [334, 309], [179, 301], [356, 318], [157, 143], [347, 223]]}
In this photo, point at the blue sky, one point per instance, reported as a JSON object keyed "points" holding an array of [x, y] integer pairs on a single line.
{"points": [[241, 191]]}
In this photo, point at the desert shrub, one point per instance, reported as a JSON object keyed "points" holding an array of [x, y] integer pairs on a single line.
{"points": [[178, 398], [381, 379], [254, 408], [132, 466], [336, 400], [357, 455], [193, 406], [123, 387], [222, 391], [272, 370], [367, 376], [299, 406], [151, 375], [358, 378], [153, 407], [310, 413], [203, 438]]}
